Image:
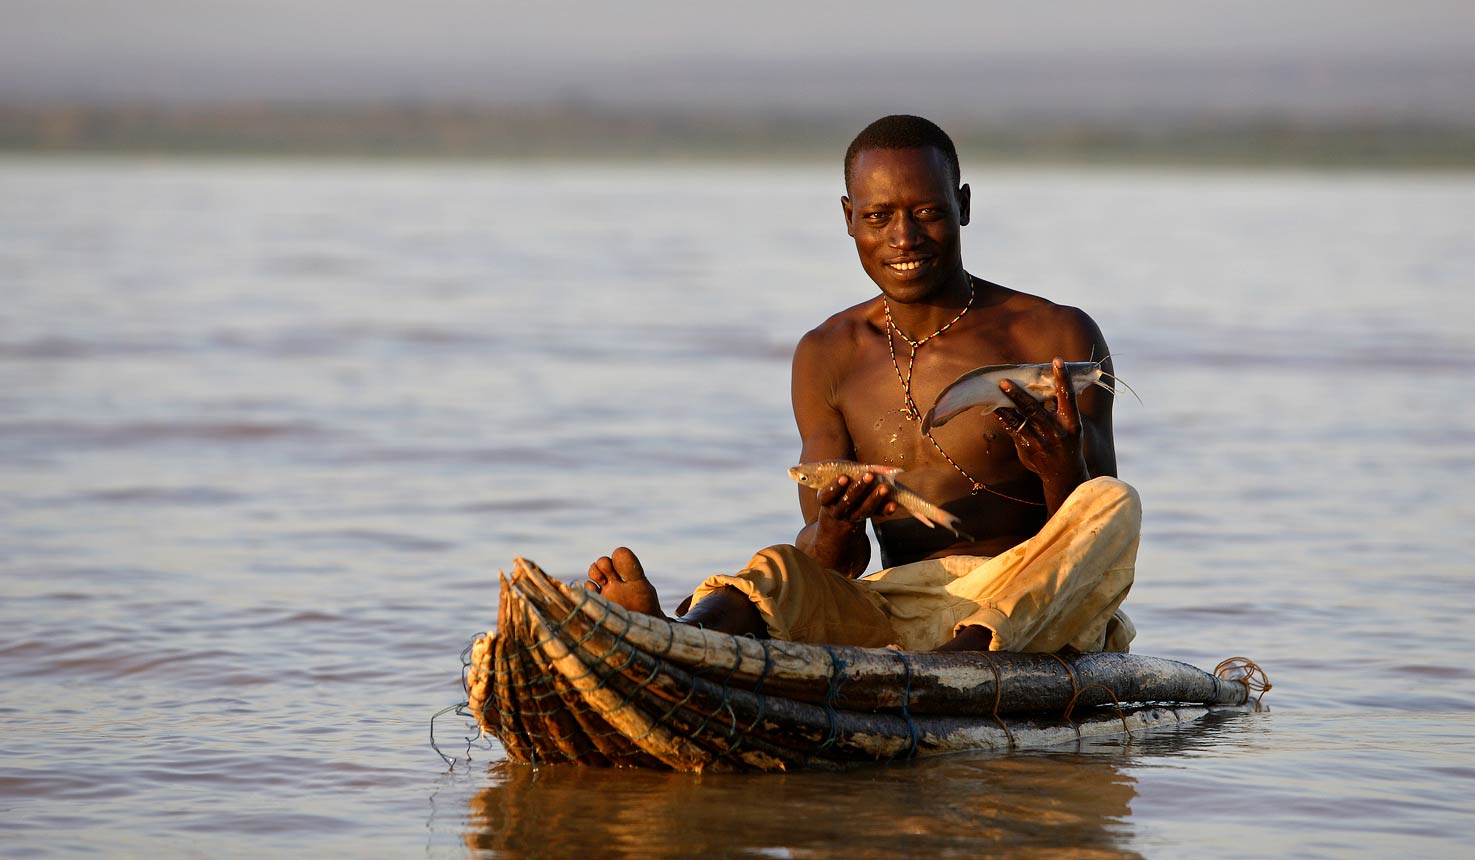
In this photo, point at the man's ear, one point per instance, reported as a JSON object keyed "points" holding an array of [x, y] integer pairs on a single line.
{"points": [[965, 201], [849, 225]]}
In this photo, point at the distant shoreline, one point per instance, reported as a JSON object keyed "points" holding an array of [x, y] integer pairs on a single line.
{"points": [[583, 133]]}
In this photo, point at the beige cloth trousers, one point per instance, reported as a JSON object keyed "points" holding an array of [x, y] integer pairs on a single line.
{"points": [[1060, 588]]}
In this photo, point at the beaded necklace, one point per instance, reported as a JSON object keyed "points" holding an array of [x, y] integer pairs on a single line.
{"points": [[911, 412]]}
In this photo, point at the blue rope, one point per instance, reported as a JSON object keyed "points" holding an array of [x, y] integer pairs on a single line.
{"points": [[837, 679], [724, 704], [762, 699], [906, 708]]}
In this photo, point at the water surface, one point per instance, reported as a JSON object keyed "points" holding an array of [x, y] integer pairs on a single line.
{"points": [[268, 430]]}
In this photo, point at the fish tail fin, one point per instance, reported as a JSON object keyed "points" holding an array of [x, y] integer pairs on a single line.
{"points": [[934, 418], [909, 501], [951, 522]]}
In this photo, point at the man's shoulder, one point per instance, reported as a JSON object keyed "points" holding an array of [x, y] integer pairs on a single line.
{"points": [[1047, 325], [1031, 313], [840, 330], [825, 357]]}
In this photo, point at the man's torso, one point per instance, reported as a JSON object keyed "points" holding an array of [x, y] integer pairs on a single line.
{"points": [[1004, 327]]}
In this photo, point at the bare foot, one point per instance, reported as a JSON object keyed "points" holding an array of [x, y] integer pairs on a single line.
{"points": [[970, 638], [620, 577]]}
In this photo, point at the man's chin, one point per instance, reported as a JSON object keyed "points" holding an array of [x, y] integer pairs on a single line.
{"points": [[909, 285], [907, 290]]}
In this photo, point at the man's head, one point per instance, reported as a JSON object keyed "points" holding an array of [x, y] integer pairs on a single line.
{"points": [[902, 131], [904, 207]]}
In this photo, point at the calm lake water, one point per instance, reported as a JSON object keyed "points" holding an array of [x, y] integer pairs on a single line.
{"points": [[268, 430]]}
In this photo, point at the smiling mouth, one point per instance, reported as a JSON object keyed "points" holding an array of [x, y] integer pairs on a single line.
{"points": [[908, 265]]}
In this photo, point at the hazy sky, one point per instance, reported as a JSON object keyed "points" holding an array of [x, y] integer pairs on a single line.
{"points": [[403, 47]]}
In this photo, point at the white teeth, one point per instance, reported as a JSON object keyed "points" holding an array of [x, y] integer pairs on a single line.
{"points": [[906, 267]]}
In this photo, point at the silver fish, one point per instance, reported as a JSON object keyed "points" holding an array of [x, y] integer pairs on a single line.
{"points": [[980, 388], [821, 472]]}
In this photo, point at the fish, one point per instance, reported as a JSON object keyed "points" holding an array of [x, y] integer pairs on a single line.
{"points": [[821, 472], [979, 388]]}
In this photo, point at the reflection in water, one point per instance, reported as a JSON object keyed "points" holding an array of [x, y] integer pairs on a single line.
{"points": [[307, 412], [1069, 804]]}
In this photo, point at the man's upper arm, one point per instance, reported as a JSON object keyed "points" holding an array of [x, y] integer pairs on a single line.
{"points": [[815, 391]]}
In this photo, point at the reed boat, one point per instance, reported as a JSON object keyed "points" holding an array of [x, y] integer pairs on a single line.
{"points": [[569, 676]]}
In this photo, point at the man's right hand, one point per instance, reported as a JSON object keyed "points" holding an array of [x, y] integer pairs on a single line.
{"points": [[836, 538], [851, 503]]}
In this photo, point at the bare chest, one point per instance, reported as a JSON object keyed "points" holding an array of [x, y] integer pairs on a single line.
{"points": [[873, 397]]}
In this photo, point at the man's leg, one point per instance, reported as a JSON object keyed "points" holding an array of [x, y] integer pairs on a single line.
{"points": [[800, 601], [728, 610], [1062, 587], [970, 637], [782, 593]]}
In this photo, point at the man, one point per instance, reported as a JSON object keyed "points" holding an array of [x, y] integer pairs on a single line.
{"points": [[1055, 533]]}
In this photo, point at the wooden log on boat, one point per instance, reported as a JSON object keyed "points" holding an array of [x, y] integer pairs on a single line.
{"points": [[569, 676]]}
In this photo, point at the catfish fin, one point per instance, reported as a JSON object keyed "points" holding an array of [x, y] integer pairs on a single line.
{"points": [[923, 518], [950, 521], [986, 369]]}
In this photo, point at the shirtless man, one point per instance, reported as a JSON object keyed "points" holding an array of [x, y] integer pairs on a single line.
{"points": [[862, 379]]}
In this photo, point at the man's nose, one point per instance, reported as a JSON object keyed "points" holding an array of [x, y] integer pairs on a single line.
{"points": [[905, 232]]}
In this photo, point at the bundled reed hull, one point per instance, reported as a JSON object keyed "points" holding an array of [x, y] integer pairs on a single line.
{"points": [[569, 676]]}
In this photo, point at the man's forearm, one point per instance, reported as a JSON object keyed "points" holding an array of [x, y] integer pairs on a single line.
{"points": [[1059, 489], [841, 547]]}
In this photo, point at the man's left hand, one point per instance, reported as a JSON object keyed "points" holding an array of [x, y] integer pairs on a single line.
{"points": [[1048, 440]]}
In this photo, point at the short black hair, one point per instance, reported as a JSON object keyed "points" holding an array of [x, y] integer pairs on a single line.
{"points": [[902, 131]]}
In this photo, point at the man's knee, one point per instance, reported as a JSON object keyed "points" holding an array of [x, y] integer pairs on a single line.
{"points": [[782, 556], [1113, 495]]}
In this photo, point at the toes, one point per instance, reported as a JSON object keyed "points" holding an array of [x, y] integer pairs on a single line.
{"points": [[626, 565], [601, 572]]}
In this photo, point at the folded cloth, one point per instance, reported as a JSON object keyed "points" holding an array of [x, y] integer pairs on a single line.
{"points": [[1061, 588]]}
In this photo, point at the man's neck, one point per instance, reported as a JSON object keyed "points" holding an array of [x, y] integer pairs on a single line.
{"points": [[920, 319]]}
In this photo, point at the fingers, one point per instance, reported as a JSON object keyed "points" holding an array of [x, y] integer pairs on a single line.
{"points": [[1035, 417], [1066, 411], [1029, 416], [856, 501], [1010, 419], [831, 493]]}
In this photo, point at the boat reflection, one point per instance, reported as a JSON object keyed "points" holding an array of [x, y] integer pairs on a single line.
{"points": [[1071, 803]]}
